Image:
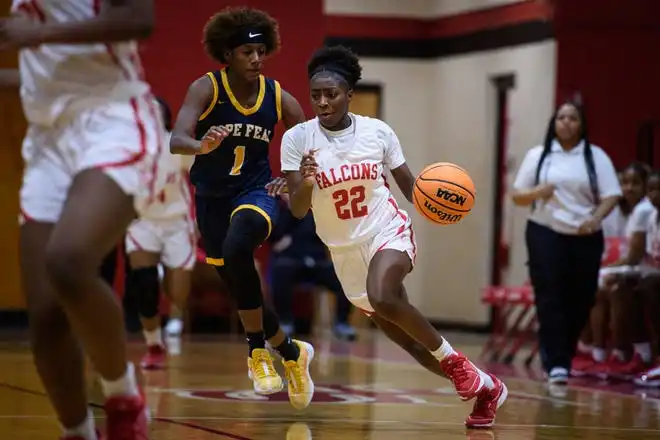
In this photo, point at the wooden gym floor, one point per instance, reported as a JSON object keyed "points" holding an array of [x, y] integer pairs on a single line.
{"points": [[365, 390]]}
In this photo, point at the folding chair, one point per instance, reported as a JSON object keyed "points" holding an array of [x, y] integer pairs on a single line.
{"points": [[514, 323]]}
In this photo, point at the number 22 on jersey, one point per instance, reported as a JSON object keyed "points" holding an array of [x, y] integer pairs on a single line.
{"points": [[349, 203], [239, 159]]}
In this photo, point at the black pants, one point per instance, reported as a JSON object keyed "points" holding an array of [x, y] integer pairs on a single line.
{"points": [[286, 273], [564, 273]]}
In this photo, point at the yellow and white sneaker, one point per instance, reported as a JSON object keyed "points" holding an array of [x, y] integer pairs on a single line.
{"points": [[261, 370], [299, 431], [301, 386]]}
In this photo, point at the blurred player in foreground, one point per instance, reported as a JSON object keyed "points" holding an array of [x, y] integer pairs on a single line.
{"points": [[90, 152]]}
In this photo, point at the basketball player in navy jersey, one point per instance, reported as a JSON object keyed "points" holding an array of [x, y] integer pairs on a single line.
{"points": [[227, 121]]}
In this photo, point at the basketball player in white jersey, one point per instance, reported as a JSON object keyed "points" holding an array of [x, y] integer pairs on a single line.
{"points": [[650, 283], [335, 164], [94, 137], [164, 234]]}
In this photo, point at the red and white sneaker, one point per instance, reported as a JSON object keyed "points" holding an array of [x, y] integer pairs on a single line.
{"points": [[127, 418], [487, 404], [603, 370], [463, 374], [650, 378], [155, 358], [629, 370], [76, 437], [582, 362]]}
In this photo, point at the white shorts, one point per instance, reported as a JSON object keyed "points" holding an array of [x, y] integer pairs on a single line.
{"points": [[352, 263], [641, 271], [173, 239], [124, 139]]}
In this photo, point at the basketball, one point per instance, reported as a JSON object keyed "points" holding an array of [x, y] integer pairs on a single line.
{"points": [[444, 193]]}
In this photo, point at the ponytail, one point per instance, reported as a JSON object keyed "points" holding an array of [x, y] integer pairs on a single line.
{"points": [[591, 171]]}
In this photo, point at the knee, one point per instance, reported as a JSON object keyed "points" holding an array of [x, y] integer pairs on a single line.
{"points": [[386, 303], [236, 251], [66, 266]]}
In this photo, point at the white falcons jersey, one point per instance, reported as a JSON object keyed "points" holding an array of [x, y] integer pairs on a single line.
{"points": [[175, 200], [56, 77], [351, 201]]}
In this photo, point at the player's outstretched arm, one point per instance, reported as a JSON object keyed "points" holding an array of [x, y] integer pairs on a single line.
{"points": [[405, 180], [117, 20], [197, 101]]}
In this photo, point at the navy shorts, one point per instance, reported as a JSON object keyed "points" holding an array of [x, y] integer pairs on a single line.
{"points": [[214, 215]]}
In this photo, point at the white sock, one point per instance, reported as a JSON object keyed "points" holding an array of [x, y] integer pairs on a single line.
{"points": [[488, 381], [86, 429], [444, 351], [599, 354], [619, 354], [153, 337], [124, 386], [643, 349], [584, 348]]}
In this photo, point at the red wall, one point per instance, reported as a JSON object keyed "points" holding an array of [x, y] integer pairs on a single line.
{"points": [[609, 52], [174, 56]]}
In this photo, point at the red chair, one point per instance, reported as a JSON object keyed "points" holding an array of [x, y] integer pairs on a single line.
{"points": [[514, 323]]}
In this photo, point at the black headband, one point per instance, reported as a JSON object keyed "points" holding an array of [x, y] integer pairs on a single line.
{"points": [[336, 69], [246, 36]]}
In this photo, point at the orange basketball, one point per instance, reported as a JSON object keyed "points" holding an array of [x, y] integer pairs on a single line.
{"points": [[444, 193]]}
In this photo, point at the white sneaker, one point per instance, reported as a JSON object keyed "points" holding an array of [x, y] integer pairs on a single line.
{"points": [[174, 327], [558, 376]]}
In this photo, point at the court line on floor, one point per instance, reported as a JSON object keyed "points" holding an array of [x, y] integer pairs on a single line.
{"points": [[378, 360], [168, 420], [180, 420]]}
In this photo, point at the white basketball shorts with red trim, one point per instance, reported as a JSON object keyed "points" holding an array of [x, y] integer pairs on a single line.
{"points": [[123, 138], [352, 263], [173, 239]]}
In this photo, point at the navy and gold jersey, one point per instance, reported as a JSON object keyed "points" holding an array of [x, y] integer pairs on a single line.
{"points": [[240, 163]]}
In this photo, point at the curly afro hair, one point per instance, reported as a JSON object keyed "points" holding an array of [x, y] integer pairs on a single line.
{"points": [[345, 62], [224, 24]]}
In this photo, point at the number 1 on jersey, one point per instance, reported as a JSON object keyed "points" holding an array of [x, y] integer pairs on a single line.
{"points": [[239, 158], [355, 196]]}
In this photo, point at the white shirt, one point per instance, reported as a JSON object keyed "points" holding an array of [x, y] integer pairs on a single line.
{"points": [[652, 259], [619, 228], [60, 77], [614, 224], [351, 201], [572, 203], [175, 199]]}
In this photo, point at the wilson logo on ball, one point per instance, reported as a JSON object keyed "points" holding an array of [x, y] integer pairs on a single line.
{"points": [[442, 216], [451, 197]]}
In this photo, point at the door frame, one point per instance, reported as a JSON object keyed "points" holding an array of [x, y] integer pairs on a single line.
{"points": [[372, 88]]}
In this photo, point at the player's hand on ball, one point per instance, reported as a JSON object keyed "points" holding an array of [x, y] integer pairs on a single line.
{"points": [[213, 138], [309, 168]]}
